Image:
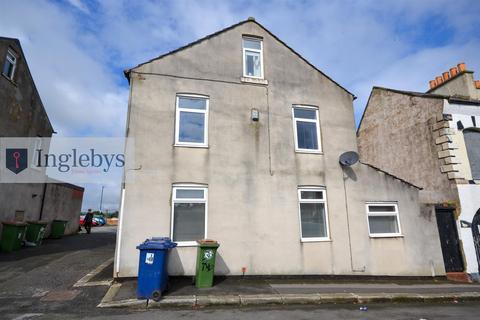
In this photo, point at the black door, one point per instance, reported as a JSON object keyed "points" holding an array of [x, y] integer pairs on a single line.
{"points": [[447, 230], [476, 235]]}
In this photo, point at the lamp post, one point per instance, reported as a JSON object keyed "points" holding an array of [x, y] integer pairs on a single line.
{"points": [[101, 199]]}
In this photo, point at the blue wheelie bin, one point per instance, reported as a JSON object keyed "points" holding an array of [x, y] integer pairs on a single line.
{"points": [[152, 267]]}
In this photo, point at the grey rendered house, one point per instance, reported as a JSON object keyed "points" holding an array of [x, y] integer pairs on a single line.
{"points": [[432, 140], [237, 138], [22, 115]]}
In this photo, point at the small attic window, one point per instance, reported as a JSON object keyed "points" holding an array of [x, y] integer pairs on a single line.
{"points": [[10, 64], [252, 57]]}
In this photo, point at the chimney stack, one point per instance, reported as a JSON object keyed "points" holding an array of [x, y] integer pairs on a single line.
{"points": [[447, 75], [453, 72]]}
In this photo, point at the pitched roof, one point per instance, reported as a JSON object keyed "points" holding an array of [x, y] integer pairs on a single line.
{"points": [[127, 71], [391, 175], [452, 99]]}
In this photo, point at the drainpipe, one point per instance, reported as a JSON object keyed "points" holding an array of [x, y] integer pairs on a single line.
{"points": [[43, 201]]}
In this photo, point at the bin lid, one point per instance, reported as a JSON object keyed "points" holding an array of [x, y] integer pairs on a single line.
{"points": [[38, 222], [14, 223], [157, 244], [208, 243]]}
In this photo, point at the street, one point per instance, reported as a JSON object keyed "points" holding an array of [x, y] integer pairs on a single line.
{"points": [[43, 283]]}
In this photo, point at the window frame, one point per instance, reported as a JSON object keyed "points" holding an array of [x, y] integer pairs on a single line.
{"points": [[188, 200], [324, 201], [14, 63], [178, 109], [383, 214], [317, 124], [252, 50]]}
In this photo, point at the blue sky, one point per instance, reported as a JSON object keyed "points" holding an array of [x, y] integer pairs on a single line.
{"points": [[77, 49]]}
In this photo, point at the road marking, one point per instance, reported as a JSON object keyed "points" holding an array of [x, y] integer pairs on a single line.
{"points": [[84, 282], [28, 315]]}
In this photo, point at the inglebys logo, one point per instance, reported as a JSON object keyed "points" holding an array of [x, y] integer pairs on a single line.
{"points": [[16, 159], [64, 162]]}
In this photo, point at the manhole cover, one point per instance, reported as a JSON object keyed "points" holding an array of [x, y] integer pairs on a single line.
{"points": [[65, 295]]}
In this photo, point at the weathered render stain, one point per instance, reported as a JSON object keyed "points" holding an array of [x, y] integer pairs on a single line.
{"points": [[396, 135], [253, 172]]}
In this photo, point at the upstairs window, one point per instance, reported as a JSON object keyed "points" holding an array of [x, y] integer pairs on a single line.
{"points": [[472, 143], [383, 219], [10, 65], [191, 127], [253, 58], [306, 129]]}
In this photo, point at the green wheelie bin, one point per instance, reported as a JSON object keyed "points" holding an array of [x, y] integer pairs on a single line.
{"points": [[206, 253], [12, 236], [58, 228], [35, 231]]}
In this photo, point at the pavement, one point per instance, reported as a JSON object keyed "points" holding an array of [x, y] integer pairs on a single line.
{"points": [[257, 291]]}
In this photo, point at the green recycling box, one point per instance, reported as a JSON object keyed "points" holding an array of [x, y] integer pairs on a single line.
{"points": [[58, 228], [12, 236], [206, 253], [35, 231]]}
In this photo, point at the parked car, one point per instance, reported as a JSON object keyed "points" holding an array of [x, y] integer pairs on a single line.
{"points": [[99, 219]]}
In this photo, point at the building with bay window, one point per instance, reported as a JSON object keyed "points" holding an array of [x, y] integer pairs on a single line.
{"points": [[237, 138]]}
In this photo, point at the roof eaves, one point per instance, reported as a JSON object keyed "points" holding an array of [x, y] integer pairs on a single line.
{"points": [[391, 175], [414, 93]]}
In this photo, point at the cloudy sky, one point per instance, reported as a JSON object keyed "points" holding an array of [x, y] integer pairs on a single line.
{"points": [[77, 49]]}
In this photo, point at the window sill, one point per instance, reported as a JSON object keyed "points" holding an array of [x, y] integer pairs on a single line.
{"points": [[306, 240], [309, 151], [10, 80], [190, 146], [383, 235], [187, 244], [254, 80]]}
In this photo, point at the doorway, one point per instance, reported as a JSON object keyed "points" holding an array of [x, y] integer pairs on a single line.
{"points": [[450, 243], [476, 236]]}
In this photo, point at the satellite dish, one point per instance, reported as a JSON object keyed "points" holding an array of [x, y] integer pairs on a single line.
{"points": [[348, 158]]}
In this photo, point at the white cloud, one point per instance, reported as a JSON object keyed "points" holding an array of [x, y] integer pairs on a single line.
{"points": [[80, 5]]}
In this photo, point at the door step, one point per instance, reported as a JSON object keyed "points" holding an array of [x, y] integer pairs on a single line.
{"points": [[459, 277]]}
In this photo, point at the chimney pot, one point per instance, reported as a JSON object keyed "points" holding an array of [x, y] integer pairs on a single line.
{"points": [[439, 80], [432, 83], [461, 67], [453, 72], [446, 76], [477, 84]]}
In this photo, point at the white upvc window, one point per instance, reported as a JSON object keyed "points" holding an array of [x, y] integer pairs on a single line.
{"points": [[306, 129], [312, 210], [191, 120], [10, 64], [252, 57], [189, 214], [383, 219]]}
